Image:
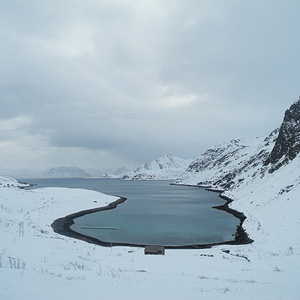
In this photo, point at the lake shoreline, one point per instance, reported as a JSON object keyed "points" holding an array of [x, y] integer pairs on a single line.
{"points": [[63, 226]]}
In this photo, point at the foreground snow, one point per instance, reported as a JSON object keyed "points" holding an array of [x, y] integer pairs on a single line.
{"points": [[36, 263]]}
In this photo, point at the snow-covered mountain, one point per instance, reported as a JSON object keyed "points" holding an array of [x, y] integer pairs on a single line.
{"points": [[22, 173], [287, 145], [220, 167], [261, 175], [165, 167], [65, 172], [228, 165]]}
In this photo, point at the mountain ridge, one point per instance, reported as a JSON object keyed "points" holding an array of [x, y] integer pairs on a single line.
{"points": [[225, 166], [65, 172], [165, 167], [261, 180]]}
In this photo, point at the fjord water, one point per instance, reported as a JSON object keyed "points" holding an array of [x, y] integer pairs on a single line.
{"points": [[155, 213]]}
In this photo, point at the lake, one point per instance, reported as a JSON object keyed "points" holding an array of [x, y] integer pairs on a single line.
{"points": [[155, 213]]}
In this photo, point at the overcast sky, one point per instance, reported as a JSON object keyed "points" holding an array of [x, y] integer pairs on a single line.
{"points": [[105, 83]]}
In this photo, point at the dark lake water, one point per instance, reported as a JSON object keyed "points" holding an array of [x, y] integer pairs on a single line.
{"points": [[155, 213]]}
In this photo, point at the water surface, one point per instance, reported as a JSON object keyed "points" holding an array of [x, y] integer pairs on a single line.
{"points": [[155, 213]]}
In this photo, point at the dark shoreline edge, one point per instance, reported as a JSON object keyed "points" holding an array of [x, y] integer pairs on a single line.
{"points": [[62, 226], [241, 236]]}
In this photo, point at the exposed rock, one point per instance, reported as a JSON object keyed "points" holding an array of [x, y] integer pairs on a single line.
{"points": [[287, 145]]}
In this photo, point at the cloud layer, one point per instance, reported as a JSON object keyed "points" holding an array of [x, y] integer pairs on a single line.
{"points": [[99, 84]]}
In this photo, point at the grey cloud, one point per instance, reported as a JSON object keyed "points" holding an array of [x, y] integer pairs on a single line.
{"points": [[139, 80]]}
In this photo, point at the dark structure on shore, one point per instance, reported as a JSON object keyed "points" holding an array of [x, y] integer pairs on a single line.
{"points": [[156, 250]]}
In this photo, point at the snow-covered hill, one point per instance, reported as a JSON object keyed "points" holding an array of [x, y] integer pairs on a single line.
{"points": [[220, 167], [65, 172], [165, 167], [268, 190], [241, 161], [6, 181], [261, 175]]}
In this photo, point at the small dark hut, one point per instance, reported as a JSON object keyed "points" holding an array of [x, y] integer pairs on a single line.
{"points": [[156, 250]]}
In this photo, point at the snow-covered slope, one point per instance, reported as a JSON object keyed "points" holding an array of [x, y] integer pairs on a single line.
{"points": [[65, 172], [226, 166], [165, 167], [262, 176], [6, 181], [216, 167], [271, 188], [36, 263]]}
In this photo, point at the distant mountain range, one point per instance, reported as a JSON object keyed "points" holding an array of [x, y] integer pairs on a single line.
{"points": [[165, 167], [61, 171], [65, 172], [51, 172]]}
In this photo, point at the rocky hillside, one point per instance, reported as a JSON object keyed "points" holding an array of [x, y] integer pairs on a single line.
{"points": [[262, 177], [287, 145], [220, 167], [165, 167], [226, 166]]}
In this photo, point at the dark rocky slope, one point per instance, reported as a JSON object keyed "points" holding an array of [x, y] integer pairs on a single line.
{"points": [[287, 145]]}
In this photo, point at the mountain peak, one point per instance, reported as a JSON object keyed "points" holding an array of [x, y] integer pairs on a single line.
{"points": [[287, 145], [165, 167]]}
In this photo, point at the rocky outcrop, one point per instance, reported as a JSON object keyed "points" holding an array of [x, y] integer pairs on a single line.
{"points": [[287, 145]]}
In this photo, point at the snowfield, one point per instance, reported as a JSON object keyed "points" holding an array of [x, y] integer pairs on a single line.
{"points": [[36, 263]]}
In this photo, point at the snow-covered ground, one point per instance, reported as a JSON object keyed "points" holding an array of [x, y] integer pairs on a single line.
{"points": [[36, 263]]}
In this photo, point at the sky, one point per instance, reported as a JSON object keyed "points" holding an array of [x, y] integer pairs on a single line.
{"points": [[100, 84]]}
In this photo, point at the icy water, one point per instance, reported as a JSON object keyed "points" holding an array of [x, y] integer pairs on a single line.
{"points": [[155, 213]]}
